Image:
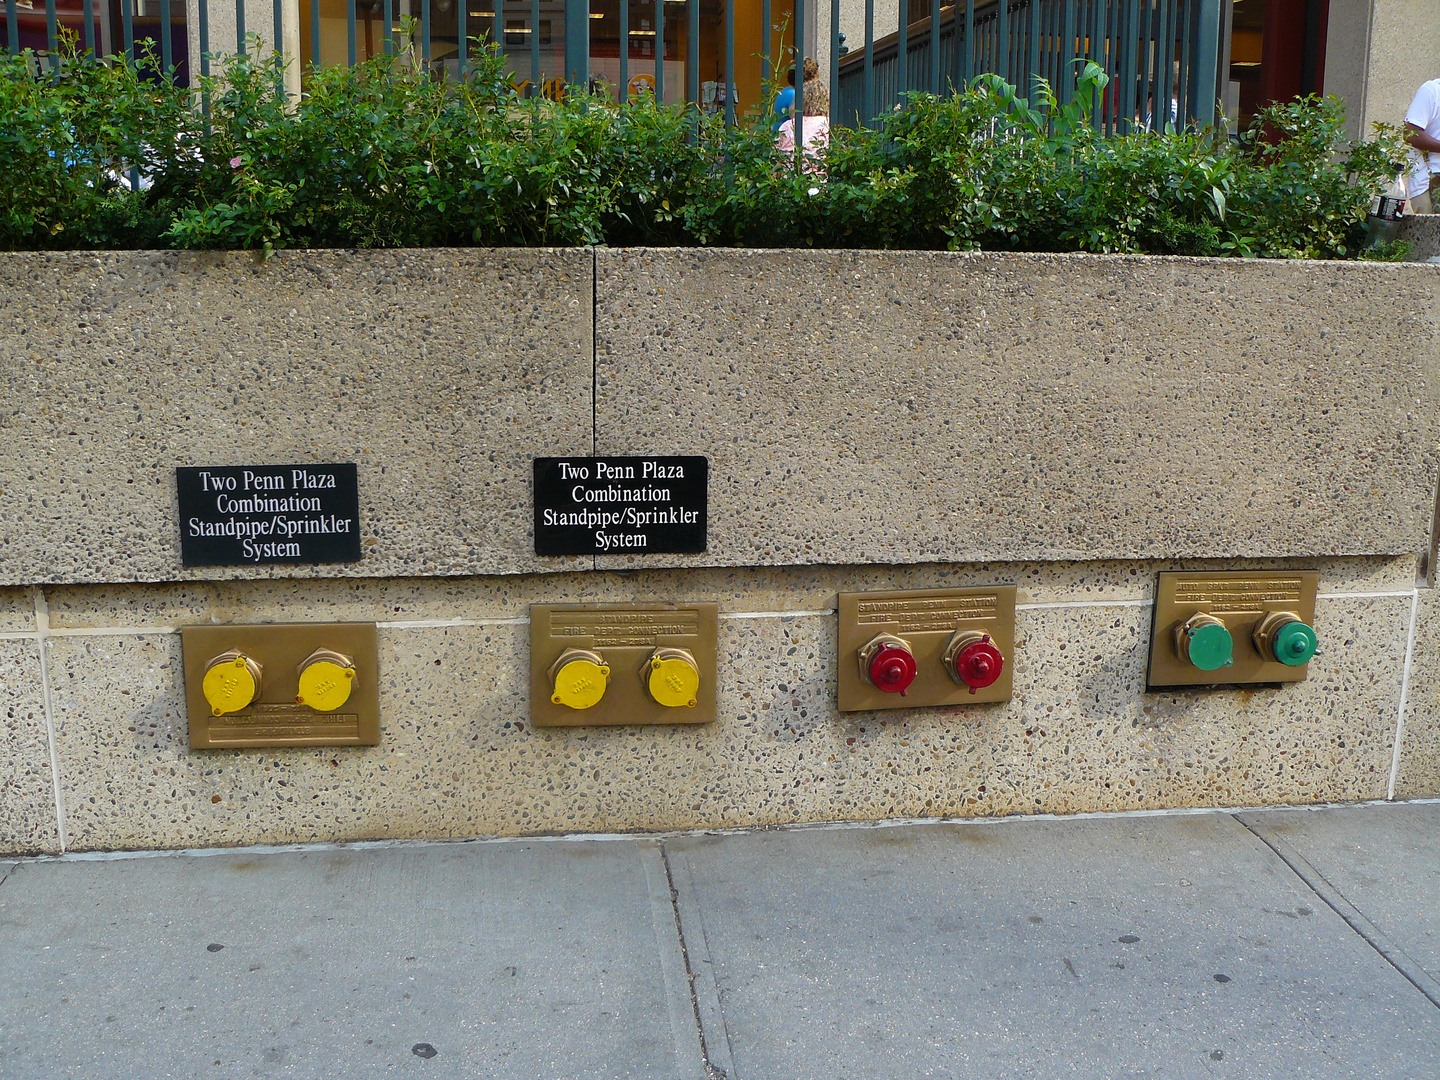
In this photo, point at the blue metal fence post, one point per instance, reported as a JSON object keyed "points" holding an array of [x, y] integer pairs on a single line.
{"points": [[52, 34], [1163, 77], [868, 85], [166, 33], [1207, 60], [424, 34], [1185, 17], [204, 7], [314, 32], [577, 41], [349, 31], [957, 50], [729, 61], [127, 24], [902, 55], [969, 41], [1002, 39], [798, 112], [692, 51], [935, 47], [87, 33], [835, 54], [1032, 48], [12, 27], [1129, 65], [277, 44], [1067, 53], [660, 52], [463, 36], [624, 51], [767, 42], [535, 47], [388, 26]]}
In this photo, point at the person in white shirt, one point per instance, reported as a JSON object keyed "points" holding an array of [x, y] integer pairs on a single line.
{"points": [[1422, 122]]}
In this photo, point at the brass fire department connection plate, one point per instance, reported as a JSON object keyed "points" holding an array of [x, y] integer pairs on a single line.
{"points": [[628, 643], [275, 718], [927, 619], [1240, 599]]}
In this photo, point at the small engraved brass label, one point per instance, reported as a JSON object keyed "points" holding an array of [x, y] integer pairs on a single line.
{"points": [[624, 627], [918, 616], [1251, 594]]}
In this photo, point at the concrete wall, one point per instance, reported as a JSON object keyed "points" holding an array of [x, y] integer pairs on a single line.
{"points": [[1071, 424], [440, 372], [1378, 53]]}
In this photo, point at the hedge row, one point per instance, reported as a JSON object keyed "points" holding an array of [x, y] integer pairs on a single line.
{"points": [[379, 155]]}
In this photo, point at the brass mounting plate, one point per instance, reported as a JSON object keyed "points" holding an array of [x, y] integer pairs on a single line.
{"points": [[1239, 598], [624, 635], [275, 719], [927, 619]]}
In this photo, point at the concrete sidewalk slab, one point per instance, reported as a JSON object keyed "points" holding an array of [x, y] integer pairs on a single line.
{"points": [[556, 959], [1123, 947], [1383, 860]]}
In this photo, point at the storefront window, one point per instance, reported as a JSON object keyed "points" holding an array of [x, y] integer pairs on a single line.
{"points": [[522, 32]]}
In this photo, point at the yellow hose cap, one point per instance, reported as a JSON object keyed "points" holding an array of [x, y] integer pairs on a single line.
{"points": [[674, 678], [581, 681], [326, 679], [232, 681]]}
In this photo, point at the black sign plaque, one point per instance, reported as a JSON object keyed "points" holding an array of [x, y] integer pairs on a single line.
{"points": [[261, 515], [620, 505]]}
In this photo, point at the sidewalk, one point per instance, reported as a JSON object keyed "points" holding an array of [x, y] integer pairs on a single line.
{"points": [[1286, 943]]}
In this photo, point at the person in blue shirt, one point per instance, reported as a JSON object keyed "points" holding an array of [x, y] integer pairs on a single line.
{"points": [[785, 100]]}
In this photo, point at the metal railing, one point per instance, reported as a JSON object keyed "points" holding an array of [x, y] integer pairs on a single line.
{"points": [[1165, 51], [1154, 51]]}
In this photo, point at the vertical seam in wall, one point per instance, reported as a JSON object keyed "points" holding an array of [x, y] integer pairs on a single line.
{"points": [[1365, 71], [1404, 695], [595, 362], [42, 631], [1429, 581]]}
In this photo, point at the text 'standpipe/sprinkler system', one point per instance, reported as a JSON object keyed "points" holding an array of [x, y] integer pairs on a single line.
{"points": [[266, 515], [621, 505]]}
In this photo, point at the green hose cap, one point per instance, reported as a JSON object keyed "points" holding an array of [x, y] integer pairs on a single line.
{"points": [[1210, 647], [1294, 644]]}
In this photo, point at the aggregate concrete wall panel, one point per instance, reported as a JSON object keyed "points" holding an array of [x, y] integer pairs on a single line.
{"points": [[1404, 41], [441, 373], [17, 611], [458, 756], [1419, 772], [27, 790], [914, 407]]}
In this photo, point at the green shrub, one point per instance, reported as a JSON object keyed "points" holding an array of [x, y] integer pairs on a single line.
{"points": [[380, 155]]}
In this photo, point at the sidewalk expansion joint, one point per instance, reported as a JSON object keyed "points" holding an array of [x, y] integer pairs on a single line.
{"points": [[711, 1006], [1371, 934]]}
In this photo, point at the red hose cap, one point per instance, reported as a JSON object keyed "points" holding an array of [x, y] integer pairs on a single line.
{"points": [[979, 665], [892, 669]]}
